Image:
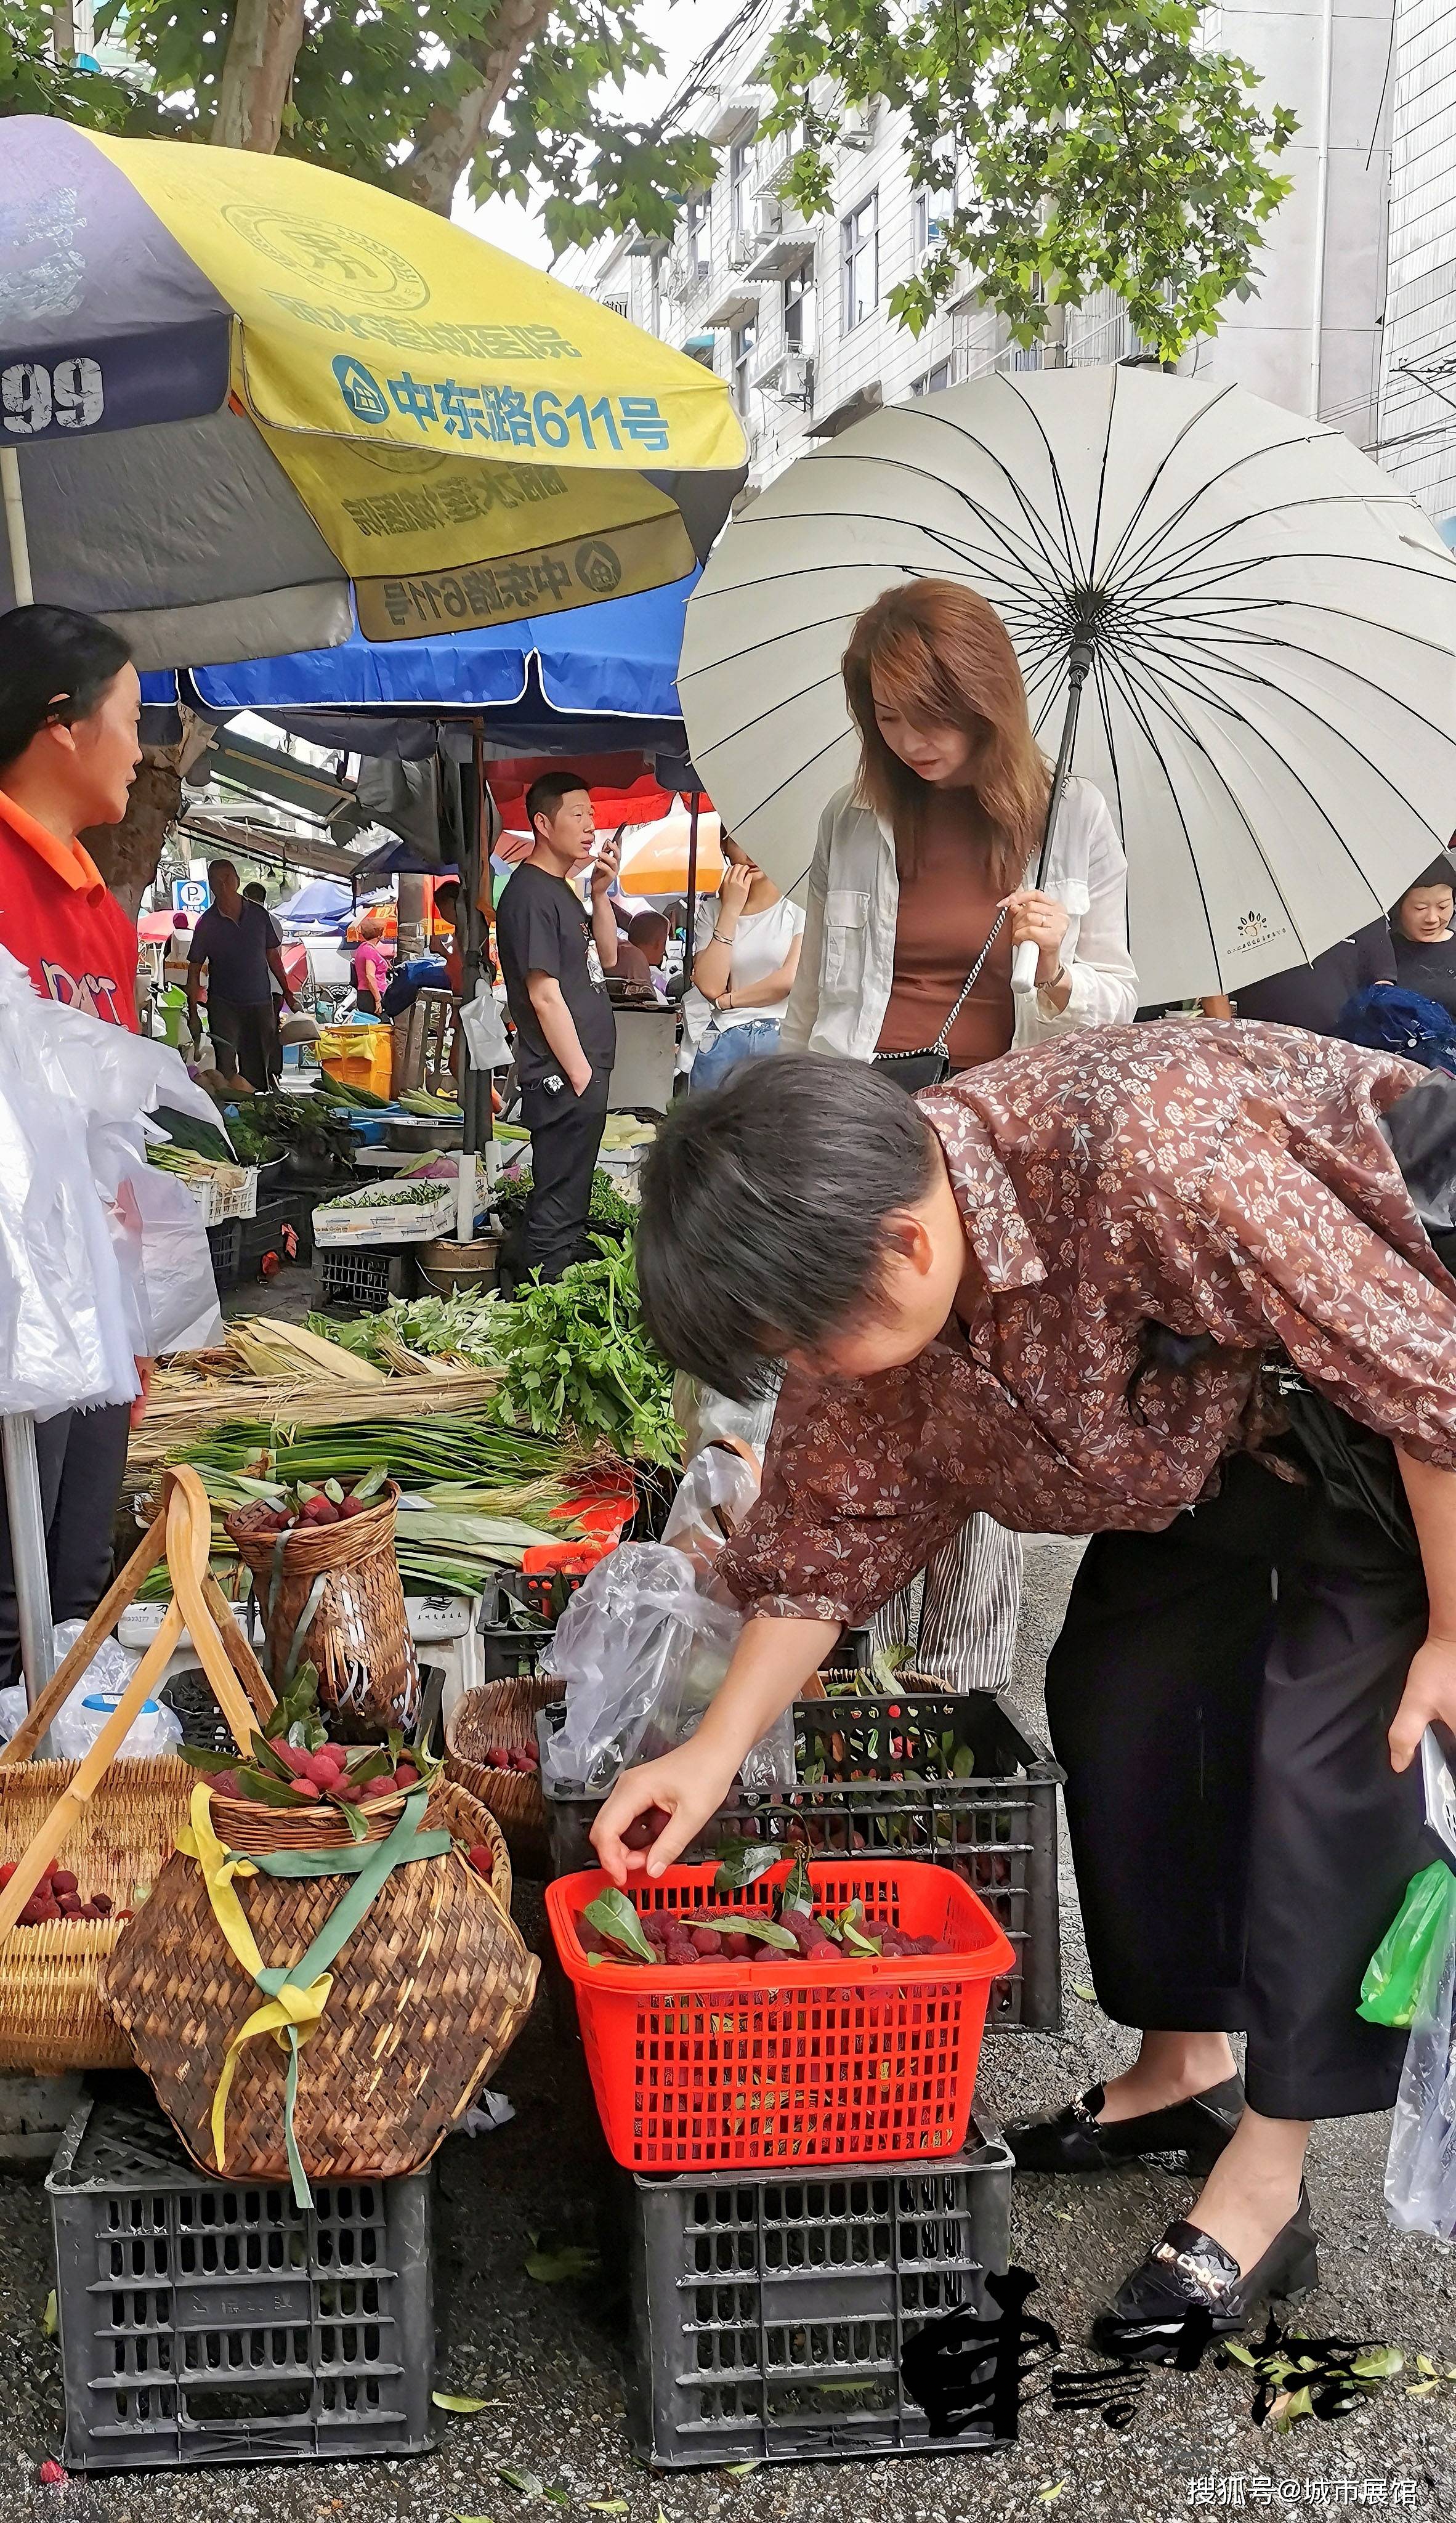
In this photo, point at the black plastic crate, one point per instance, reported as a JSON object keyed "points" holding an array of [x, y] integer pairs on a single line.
{"points": [[207, 2322], [995, 1827], [361, 1281], [517, 1620], [770, 2314], [225, 1245], [269, 1230]]}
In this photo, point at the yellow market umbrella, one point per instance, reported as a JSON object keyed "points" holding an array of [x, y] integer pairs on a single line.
{"points": [[230, 384], [654, 861]]}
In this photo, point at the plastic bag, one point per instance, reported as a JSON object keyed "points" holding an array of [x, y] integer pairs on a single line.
{"points": [[641, 1651], [76, 1727], [714, 1496], [1403, 1974], [75, 1305], [485, 1030], [1412, 1981], [176, 1291]]}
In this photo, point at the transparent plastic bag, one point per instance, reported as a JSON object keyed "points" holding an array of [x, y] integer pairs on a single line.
{"points": [[76, 1727], [641, 1651], [715, 1494], [1420, 2166]]}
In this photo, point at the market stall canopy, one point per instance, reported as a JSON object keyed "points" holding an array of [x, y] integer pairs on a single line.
{"points": [[234, 383], [620, 793], [537, 686], [1269, 627]]}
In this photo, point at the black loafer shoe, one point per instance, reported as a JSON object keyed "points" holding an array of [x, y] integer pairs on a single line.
{"points": [[1188, 2290], [1191, 2133]]}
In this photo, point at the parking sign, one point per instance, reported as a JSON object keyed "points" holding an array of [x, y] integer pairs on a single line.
{"points": [[191, 893]]}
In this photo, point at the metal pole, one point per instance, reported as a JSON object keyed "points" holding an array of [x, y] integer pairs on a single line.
{"points": [[695, 806], [475, 1087], [1079, 666], [14, 525], [28, 1552]]}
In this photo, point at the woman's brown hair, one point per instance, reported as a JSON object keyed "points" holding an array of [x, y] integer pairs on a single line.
{"points": [[944, 656]]}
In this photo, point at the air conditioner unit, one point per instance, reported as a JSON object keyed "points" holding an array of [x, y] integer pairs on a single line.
{"points": [[768, 218], [796, 377], [742, 247], [857, 130]]}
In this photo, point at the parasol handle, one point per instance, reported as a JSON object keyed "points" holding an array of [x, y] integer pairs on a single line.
{"points": [[1079, 666]]}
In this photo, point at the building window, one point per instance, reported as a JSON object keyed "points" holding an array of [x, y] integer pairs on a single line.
{"points": [[936, 380], [696, 235], [800, 310], [861, 235], [744, 337], [932, 211], [740, 183]]}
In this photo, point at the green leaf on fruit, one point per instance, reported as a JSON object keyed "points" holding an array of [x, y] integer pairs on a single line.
{"points": [[613, 1916], [797, 1892], [740, 1861], [734, 1923]]}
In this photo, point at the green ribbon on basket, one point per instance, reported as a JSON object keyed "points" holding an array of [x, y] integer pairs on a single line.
{"points": [[296, 1993]]}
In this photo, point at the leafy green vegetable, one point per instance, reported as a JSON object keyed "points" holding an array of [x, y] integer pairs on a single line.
{"points": [[608, 1207], [576, 1355]]}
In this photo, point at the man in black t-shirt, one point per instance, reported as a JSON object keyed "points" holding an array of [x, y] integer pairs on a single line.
{"points": [[553, 959]]}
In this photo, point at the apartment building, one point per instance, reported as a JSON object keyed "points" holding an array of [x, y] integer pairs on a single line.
{"points": [[795, 312], [1418, 401]]}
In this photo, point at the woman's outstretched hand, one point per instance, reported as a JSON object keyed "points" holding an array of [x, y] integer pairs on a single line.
{"points": [[655, 1812]]}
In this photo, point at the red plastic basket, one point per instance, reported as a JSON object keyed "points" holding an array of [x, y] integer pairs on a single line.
{"points": [[768, 2063]]}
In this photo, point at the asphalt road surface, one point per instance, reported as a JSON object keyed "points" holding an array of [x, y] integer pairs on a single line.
{"points": [[546, 2359]]}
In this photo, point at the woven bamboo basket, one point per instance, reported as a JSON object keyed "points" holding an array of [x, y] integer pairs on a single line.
{"points": [[246, 1828], [499, 1715], [359, 1636], [427, 1995], [52, 2016]]}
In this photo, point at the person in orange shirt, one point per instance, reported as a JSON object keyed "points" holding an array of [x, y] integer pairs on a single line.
{"points": [[69, 704]]}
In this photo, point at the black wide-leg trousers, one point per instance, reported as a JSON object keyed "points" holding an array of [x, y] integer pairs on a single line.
{"points": [[1219, 1698]]}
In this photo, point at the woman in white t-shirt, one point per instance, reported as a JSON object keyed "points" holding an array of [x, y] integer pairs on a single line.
{"points": [[743, 969]]}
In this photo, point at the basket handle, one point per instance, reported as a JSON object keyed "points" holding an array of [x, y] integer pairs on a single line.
{"points": [[183, 1529]]}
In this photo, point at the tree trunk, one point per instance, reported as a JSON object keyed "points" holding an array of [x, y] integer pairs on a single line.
{"points": [[128, 852], [256, 73], [450, 135]]}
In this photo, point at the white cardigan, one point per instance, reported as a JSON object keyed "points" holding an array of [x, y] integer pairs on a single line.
{"points": [[847, 961]]}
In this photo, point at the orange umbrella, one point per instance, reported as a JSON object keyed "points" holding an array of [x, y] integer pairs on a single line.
{"points": [[656, 861]]}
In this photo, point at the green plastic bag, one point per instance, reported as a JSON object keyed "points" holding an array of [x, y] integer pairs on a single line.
{"points": [[1402, 1977]]}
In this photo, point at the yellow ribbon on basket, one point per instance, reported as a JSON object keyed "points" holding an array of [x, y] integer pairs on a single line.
{"points": [[292, 2013], [294, 2007]]}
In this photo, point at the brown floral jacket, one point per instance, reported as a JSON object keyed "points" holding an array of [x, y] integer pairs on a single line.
{"points": [[1219, 1178]]}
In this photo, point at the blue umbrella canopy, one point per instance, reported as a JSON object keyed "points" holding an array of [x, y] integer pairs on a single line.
{"points": [[600, 678]]}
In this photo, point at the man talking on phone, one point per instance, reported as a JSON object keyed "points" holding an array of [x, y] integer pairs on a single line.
{"points": [[553, 959]]}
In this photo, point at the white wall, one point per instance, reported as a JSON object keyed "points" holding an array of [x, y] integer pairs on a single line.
{"points": [[1311, 340]]}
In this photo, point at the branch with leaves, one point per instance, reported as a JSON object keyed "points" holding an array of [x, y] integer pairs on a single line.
{"points": [[1079, 147]]}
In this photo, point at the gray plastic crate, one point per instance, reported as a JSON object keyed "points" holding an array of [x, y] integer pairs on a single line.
{"points": [[770, 2314], [996, 1829], [207, 2322]]}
